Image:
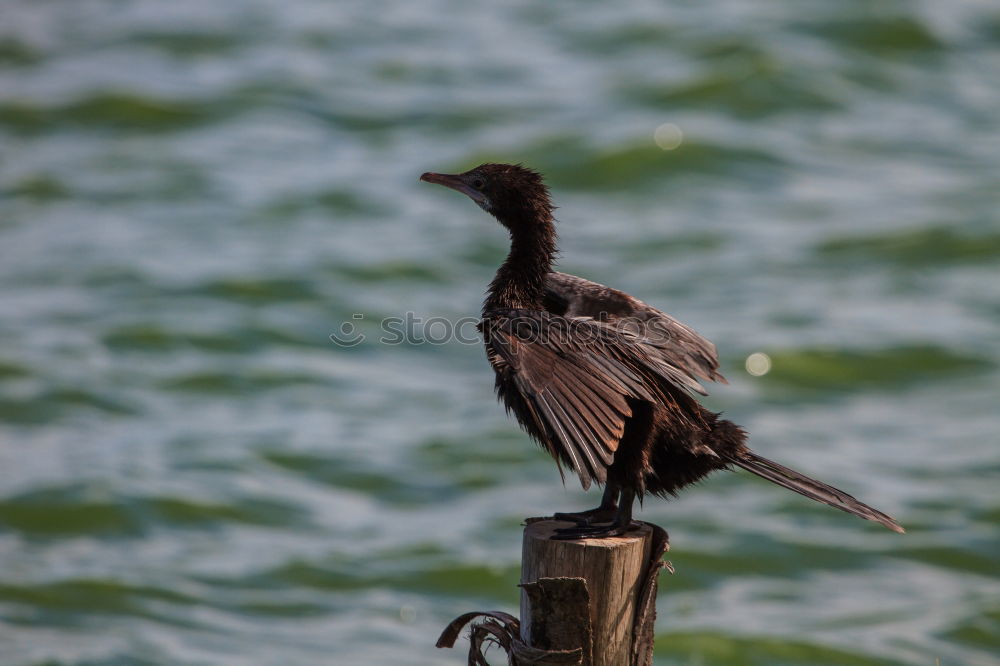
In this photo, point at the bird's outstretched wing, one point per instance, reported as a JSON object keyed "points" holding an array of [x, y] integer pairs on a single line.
{"points": [[679, 349], [572, 383]]}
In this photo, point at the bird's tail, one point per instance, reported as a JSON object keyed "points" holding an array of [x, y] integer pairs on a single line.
{"points": [[811, 488]]}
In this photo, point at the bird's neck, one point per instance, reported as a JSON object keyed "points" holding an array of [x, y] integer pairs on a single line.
{"points": [[520, 280]]}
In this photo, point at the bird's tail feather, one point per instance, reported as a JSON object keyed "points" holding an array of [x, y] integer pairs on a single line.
{"points": [[811, 488]]}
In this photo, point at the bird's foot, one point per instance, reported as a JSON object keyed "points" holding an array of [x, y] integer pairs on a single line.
{"points": [[612, 529], [589, 517]]}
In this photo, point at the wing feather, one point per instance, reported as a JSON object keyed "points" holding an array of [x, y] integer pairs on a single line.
{"points": [[684, 355], [557, 431], [571, 383], [586, 446], [604, 442]]}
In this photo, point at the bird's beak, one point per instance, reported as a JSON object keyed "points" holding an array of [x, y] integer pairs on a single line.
{"points": [[457, 184]]}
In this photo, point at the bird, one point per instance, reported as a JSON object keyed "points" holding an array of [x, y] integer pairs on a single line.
{"points": [[605, 383]]}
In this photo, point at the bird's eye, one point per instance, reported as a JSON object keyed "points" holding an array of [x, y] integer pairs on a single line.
{"points": [[478, 183]]}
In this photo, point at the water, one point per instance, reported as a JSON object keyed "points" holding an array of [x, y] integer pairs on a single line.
{"points": [[196, 195]]}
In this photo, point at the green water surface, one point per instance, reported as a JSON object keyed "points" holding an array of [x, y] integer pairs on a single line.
{"points": [[195, 195]]}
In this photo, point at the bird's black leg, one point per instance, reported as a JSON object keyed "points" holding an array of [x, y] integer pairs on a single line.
{"points": [[619, 526], [602, 514]]}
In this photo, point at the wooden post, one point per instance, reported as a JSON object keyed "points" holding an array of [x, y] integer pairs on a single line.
{"points": [[588, 602], [596, 593]]}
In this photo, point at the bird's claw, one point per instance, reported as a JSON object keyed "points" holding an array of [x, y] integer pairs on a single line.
{"points": [[594, 531], [587, 518]]}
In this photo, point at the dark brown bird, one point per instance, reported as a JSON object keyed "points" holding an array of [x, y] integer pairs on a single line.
{"points": [[601, 380]]}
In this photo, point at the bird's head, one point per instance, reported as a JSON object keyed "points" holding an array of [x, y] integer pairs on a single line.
{"points": [[514, 194]]}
